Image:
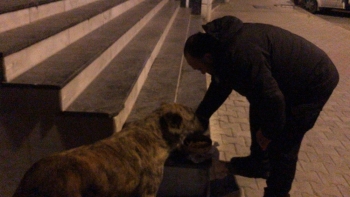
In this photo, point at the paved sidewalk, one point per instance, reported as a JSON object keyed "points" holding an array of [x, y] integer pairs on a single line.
{"points": [[324, 161]]}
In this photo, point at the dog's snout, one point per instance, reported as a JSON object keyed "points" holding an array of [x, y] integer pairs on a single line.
{"points": [[199, 132]]}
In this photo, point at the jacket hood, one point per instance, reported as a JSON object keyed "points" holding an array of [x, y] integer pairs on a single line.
{"points": [[223, 28]]}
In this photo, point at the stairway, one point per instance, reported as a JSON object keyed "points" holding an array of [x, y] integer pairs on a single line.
{"points": [[74, 71]]}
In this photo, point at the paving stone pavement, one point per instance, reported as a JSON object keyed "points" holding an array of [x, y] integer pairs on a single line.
{"points": [[324, 160]]}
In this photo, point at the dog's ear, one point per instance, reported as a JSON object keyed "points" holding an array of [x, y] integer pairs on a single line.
{"points": [[170, 124], [162, 104], [125, 125], [172, 120]]}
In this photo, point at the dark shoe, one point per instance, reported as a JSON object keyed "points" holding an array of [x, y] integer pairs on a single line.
{"points": [[270, 193], [223, 187], [249, 167]]}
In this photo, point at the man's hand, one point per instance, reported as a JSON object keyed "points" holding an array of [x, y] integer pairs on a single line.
{"points": [[262, 140]]}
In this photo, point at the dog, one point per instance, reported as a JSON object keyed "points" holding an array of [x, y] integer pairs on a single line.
{"points": [[128, 163]]}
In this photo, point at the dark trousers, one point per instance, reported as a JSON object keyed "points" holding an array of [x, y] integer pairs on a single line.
{"points": [[283, 151]]}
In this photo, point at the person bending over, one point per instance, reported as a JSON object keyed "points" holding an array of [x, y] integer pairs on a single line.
{"points": [[286, 79]]}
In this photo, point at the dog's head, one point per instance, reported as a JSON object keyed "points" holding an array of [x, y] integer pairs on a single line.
{"points": [[177, 122]]}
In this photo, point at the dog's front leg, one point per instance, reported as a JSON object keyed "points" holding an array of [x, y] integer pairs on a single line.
{"points": [[151, 180], [150, 189]]}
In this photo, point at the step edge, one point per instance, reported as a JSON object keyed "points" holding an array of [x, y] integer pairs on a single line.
{"points": [[33, 12], [81, 104], [65, 35], [122, 116], [27, 6], [178, 32], [66, 98]]}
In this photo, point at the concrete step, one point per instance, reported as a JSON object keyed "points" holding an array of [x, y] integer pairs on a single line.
{"points": [[117, 94], [22, 12], [73, 68], [38, 96], [31, 101], [24, 47], [10, 6], [171, 79], [114, 91]]}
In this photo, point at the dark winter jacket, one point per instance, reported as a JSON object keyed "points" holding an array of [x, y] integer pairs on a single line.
{"points": [[272, 67]]}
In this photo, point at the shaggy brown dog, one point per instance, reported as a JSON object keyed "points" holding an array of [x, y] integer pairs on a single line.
{"points": [[129, 163]]}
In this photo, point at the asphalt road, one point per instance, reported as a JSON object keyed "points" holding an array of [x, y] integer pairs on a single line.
{"points": [[339, 17]]}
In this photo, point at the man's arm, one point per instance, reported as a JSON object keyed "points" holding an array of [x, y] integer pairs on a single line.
{"points": [[215, 96]]}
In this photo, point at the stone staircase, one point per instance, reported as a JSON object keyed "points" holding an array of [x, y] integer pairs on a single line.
{"points": [[74, 71]]}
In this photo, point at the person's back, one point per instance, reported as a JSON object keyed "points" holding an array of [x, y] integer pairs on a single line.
{"points": [[298, 66]]}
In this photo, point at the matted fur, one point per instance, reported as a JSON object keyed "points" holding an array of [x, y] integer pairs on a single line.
{"points": [[129, 163]]}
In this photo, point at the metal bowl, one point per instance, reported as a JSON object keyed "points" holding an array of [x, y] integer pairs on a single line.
{"points": [[197, 144]]}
